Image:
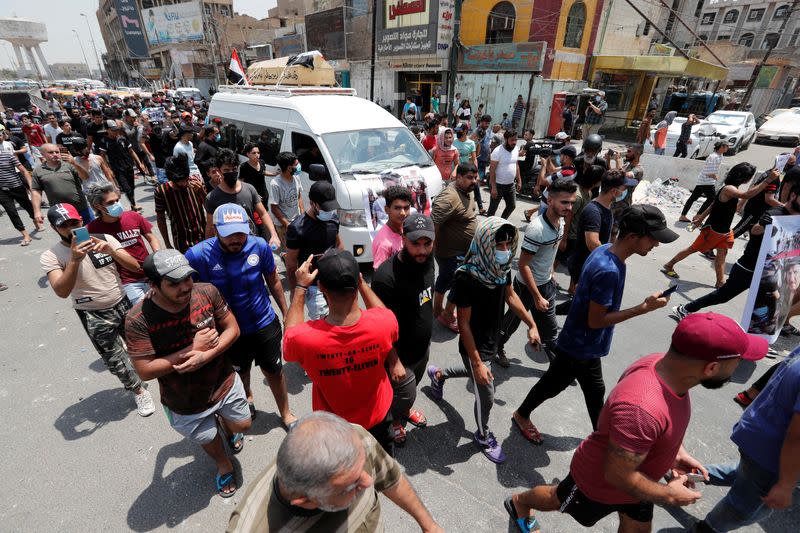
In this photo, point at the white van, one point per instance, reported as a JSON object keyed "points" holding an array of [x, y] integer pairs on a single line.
{"points": [[362, 147], [188, 92]]}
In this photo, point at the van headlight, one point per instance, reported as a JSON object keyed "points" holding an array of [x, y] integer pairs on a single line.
{"points": [[731, 140], [352, 218]]}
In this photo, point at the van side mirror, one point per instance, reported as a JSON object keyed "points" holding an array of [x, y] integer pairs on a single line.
{"points": [[318, 172]]}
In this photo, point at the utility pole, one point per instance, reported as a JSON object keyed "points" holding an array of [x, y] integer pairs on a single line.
{"points": [[451, 77], [84, 53], [91, 38], [757, 70], [374, 58]]}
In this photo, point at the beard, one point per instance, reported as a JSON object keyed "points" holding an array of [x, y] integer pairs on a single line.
{"points": [[714, 383], [412, 260]]}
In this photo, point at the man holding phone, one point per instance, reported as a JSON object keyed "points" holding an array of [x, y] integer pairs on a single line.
{"points": [[84, 268], [60, 179]]}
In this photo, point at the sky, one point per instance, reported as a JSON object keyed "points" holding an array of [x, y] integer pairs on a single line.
{"points": [[61, 17]]}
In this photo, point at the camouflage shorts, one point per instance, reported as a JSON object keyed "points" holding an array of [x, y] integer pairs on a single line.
{"points": [[106, 329]]}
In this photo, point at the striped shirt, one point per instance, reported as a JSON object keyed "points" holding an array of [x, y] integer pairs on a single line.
{"points": [[713, 162], [263, 508], [184, 207], [9, 178], [541, 239]]}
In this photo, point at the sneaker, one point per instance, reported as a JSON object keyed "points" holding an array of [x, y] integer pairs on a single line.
{"points": [[399, 434], [789, 329], [437, 385], [771, 353], [144, 403], [489, 447], [680, 312], [501, 359]]}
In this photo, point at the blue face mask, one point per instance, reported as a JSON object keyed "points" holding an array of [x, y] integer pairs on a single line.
{"points": [[621, 196], [297, 170], [218, 137], [325, 216], [502, 256], [115, 210]]}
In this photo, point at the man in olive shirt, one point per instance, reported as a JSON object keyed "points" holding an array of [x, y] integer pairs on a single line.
{"points": [[454, 215], [298, 493], [60, 179]]}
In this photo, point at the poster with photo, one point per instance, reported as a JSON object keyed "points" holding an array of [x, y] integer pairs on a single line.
{"points": [[776, 280], [373, 185]]}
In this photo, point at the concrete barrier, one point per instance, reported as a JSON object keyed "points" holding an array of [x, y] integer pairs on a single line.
{"points": [[660, 167]]}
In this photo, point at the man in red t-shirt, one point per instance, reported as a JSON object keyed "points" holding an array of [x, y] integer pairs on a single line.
{"points": [[640, 432], [130, 228], [347, 353], [33, 132]]}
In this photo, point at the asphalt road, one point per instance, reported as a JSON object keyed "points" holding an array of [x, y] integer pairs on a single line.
{"points": [[78, 458]]}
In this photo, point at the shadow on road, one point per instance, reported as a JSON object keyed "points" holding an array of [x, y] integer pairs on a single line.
{"points": [[296, 378], [90, 414], [98, 366], [173, 497]]}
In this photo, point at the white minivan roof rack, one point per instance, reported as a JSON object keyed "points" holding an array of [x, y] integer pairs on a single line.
{"points": [[285, 90]]}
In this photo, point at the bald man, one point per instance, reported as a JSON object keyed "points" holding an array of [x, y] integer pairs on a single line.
{"points": [[60, 179]]}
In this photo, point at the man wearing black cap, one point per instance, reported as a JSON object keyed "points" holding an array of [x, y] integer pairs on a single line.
{"points": [[311, 234], [178, 335], [121, 157], [404, 283], [586, 336], [348, 353]]}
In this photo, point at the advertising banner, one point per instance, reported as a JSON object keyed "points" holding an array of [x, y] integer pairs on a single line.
{"points": [[132, 30], [408, 28], [776, 280], [516, 57], [444, 31], [176, 23], [325, 32]]}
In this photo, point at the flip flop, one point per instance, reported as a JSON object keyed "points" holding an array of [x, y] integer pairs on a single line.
{"points": [[237, 442], [527, 524], [529, 434], [222, 481], [417, 419], [743, 399], [25, 243], [670, 273]]}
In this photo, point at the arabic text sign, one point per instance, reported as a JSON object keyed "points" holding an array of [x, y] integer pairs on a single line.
{"points": [[173, 24], [525, 57], [407, 41], [444, 37], [131, 27], [404, 13]]}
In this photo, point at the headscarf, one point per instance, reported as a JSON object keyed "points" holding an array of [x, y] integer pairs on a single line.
{"points": [[668, 118], [479, 261], [440, 140]]}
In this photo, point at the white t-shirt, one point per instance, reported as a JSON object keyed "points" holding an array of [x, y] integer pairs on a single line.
{"points": [[506, 172], [711, 166], [51, 132]]}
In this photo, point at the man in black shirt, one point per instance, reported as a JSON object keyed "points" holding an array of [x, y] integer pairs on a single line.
{"points": [[95, 130], [207, 151], [685, 138], [568, 118], [121, 157], [404, 283], [312, 233], [741, 274]]}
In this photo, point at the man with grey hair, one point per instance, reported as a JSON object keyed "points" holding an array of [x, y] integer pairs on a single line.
{"points": [[326, 477]]}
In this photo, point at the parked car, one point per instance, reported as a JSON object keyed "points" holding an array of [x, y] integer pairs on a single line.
{"points": [[703, 137], [784, 128], [761, 119], [738, 128]]}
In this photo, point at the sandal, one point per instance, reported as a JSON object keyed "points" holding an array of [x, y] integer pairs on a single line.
{"points": [[743, 399], [398, 434], [417, 419], [527, 524], [236, 440], [526, 215], [226, 480], [530, 434], [26, 243], [670, 273]]}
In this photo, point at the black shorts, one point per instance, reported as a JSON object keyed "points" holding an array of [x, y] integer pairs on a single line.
{"points": [[588, 512], [263, 347], [563, 257]]}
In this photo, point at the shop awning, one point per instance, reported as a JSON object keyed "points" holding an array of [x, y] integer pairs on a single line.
{"points": [[673, 66]]}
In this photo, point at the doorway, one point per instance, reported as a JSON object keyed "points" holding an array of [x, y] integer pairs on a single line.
{"points": [[420, 86]]}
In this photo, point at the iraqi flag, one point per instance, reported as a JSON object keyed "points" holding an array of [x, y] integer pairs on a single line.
{"points": [[236, 74]]}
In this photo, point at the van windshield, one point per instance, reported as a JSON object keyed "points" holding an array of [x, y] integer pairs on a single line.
{"points": [[371, 151]]}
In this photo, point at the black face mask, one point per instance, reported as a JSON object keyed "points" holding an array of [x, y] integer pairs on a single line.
{"points": [[230, 178]]}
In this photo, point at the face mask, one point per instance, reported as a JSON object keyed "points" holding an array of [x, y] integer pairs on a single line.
{"points": [[217, 137], [297, 170], [589, 159], [502, 256], [621, 196], [115, 210], [596, 98], [325, 216], [230, 178]]}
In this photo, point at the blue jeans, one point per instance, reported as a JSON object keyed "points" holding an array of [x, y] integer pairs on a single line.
{"points": [[316, 303], [742, 505], [136, 290]]}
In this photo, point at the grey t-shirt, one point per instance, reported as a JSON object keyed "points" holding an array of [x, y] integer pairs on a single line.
{"points": [[285, 194], [62, 185], [247, 197], [541, 239]]}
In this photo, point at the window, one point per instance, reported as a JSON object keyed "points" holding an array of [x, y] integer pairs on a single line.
{"points": [[731, 16], [795, 36], [781, 12], [755, 15], [770, 41], [746, 39], [307, 151], [723, 37], [708, 19], [646, 29], [268, 140], [500, 24], [698, 9], [576, 20]]}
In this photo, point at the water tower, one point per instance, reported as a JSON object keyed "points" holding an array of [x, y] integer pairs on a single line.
{"points": [[27, 35]]}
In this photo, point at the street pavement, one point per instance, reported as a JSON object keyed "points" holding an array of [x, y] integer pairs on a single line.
{"points": [[79, 458]]}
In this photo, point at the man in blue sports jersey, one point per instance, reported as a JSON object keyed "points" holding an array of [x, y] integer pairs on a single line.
{"points": [[237, 264]]}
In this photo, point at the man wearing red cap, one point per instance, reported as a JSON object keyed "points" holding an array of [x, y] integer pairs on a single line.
{"points": [[640, 431]]}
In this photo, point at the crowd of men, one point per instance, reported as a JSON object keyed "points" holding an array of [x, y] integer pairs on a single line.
{"points": [[197, 312]]}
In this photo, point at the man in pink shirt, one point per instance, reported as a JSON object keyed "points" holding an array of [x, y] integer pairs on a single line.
{"points": [[640, 432], [389, 238]]}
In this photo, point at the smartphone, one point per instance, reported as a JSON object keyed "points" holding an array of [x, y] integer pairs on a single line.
{"points": [[670, 290], [611, 153], [315, 260], [696, 477], [81, 235]]}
